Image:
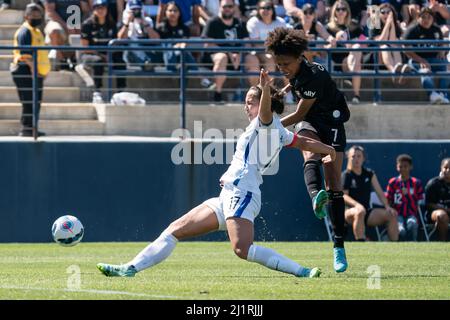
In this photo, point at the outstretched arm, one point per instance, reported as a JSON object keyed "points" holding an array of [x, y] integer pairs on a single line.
{"points": [[302, 109], [265, 111]]}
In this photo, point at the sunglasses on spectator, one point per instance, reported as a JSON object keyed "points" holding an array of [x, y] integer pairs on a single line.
{"points": [[341, 9], [265, 8], [385, 11], [228, 6], [309, 12]]}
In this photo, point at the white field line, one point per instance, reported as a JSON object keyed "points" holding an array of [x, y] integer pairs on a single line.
{"points": [[93, 291]]}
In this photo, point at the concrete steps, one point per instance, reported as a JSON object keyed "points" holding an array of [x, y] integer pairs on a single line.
{"points": [[52, 111], [56, 127], [9, 17], [55, 119], [51, 94], [6, 42], [54, 79], [5, 61], [7, 31]]}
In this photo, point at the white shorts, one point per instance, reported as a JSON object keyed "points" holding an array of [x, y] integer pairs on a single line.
{"points": [[234, 202]]}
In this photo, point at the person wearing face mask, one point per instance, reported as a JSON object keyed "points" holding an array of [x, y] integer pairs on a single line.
{"points": [[22, 67], [137, 26]]}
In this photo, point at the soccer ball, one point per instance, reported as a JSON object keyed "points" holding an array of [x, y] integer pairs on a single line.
{"points": [[67, 231]]}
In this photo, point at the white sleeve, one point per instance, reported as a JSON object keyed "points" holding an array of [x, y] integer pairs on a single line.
{"points": [[252, 28], [286, 137], [149, 21]]}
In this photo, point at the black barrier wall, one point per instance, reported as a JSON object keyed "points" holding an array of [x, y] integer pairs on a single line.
{"points": [[130, 191]]}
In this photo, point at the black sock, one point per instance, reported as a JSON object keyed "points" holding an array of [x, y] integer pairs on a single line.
{"points": [[313, 177], [336, 211], [361, 240]]}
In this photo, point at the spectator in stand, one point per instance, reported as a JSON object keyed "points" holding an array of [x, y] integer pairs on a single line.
{"points": [[63, 20], [115, 9], [439, 8], [338, 27], [224, 26], [314, 30], [247, 8], [258, 27], [293, 8], [437, 198], [98, 30], [358, 20], [401, 8], [137, 26], [190, 13], [359, 182], [389, 30], [211, 8], [172, 27], [426, 61], [22, 66], [441, 14], [404, 193]]}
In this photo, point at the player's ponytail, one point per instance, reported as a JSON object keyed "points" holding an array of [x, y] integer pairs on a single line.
{"points": [[276, 98]]}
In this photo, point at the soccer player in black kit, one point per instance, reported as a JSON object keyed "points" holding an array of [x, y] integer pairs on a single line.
{"points": [[321, 113]]}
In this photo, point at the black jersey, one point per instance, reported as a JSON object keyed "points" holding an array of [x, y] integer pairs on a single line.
{"points": [[314, 82], [437, 191], [359, 186]]}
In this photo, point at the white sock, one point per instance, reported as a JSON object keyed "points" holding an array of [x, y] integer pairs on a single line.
{"points": [[155, 252], [273, 260]]}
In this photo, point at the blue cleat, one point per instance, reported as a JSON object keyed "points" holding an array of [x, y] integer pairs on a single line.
{"points": [[309, 273], [111, 270], [340, 260], [319, 204]]}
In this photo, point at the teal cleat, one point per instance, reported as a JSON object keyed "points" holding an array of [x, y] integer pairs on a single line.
{"points": [[319, 204], [111, 270], [309, 273], [340, 261]]}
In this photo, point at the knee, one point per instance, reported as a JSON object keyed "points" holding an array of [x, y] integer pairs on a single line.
{"points": [[176, 229], [412, 223], [360, 213], [220, 58], [442, 217], [241, 250]]}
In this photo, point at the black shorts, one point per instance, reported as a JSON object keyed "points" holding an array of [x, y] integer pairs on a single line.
{"points": [[333, 135], [368, 212]]}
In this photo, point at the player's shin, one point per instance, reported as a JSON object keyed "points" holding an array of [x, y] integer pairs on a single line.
{"points": [[313, 177], [275, 261], [155, 252], [336, 209]]}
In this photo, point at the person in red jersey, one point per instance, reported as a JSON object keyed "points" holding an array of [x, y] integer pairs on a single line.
{"points": [[404, 193]]}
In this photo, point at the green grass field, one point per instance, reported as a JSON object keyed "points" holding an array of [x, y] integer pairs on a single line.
{"points": [[210, 270]]}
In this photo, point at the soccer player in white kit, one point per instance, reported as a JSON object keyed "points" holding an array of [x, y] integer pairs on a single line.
{"points": [[240, 199]]}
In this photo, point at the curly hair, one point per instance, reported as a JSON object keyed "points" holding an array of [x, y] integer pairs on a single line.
{"points": [[284, 41], [276, 98]]}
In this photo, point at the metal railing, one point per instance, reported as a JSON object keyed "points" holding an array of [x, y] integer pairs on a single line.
{"points": [[198, 45]]}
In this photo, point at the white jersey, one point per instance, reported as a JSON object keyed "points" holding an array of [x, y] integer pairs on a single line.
{"points": [[256, 150]]}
